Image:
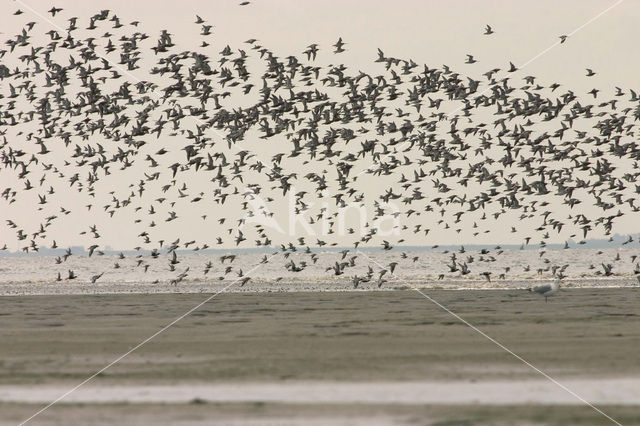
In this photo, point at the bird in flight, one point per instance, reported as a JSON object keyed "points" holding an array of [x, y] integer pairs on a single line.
{"points": [[54, 10], [513, 146]]}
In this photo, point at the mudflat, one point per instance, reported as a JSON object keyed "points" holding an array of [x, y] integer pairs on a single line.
{"points": [[345, 337], [260, 413]]}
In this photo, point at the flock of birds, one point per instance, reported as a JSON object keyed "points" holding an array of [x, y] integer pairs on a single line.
{"points": [[216, 126]]}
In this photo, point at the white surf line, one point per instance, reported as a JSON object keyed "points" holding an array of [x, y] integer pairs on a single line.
{"points": [[425, 283], [619, 391], [142, 343], [497, 343]]}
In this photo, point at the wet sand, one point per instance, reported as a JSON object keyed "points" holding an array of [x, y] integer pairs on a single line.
{"points": [[588, 335], [600, 391], [260, 413]]}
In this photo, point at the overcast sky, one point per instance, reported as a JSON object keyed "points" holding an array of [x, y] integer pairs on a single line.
{"points": [[526, 33]]}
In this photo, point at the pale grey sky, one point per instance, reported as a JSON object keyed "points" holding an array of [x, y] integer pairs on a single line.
{"points": [[428, 32]]}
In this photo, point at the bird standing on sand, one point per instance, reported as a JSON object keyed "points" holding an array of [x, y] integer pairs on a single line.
{"points": [[547, 290]]}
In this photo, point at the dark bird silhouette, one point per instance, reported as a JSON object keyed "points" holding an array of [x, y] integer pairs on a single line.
{"points": [[54, 10]]}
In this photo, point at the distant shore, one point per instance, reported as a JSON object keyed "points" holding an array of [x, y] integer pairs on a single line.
{"points": [[257, 285]]}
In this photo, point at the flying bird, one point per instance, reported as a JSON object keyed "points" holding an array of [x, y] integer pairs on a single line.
{"points": [[54, 10]]}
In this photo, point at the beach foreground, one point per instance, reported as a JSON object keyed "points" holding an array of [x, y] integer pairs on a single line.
{"points": [[316, 358]]}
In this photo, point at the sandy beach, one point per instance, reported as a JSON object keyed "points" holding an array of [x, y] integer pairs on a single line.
{"points": [[603, 391], [341, 357], [263, 213]]}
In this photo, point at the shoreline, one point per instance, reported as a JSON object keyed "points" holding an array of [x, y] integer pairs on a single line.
{"points": [[202, 287]]}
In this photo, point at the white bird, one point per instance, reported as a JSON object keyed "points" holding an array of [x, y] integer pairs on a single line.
{"points": [[547, 289]]}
